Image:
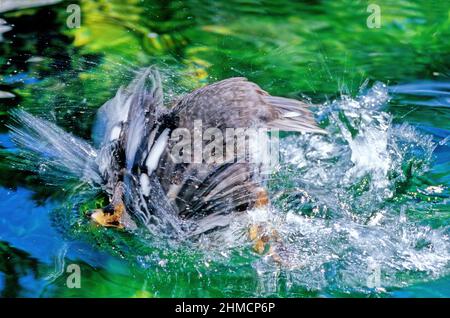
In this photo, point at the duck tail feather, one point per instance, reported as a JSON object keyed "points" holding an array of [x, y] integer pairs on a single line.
{"points": [[293, 115]]}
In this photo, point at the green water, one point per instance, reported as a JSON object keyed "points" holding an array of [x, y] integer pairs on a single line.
{"points": [[319, 50]]}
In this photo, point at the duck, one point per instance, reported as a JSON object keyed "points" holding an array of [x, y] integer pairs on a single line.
{"points": [[132, 157]]}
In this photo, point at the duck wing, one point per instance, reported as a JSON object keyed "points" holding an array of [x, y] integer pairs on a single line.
{"points": [[131, 135], [124, 125], [208, 191]]}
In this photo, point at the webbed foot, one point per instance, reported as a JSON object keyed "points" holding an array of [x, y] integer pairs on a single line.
{"points": [[109, 216]]}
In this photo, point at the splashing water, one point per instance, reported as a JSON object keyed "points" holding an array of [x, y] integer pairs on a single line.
{"points": [[345, 205], [352, 210]]}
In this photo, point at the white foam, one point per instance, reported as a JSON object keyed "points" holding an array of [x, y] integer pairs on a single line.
{"points": [[330, 203]]}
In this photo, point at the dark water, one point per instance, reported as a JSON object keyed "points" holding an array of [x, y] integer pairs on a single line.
{"points": [[372, 197]]}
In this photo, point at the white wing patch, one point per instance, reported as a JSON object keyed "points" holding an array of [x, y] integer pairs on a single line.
{"points": [[115, 133], [291, 114], [156, 151], [145, 184]]}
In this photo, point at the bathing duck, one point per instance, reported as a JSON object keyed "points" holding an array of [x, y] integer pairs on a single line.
{"points": [[137, 154]]}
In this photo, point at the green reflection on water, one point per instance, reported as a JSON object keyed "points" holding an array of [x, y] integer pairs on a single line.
{"points": [[316, 48]]}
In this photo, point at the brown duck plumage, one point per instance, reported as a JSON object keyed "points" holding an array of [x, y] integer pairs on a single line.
{"points": [[133, 163]]}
